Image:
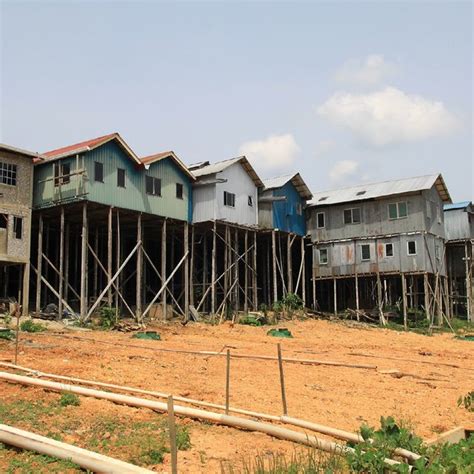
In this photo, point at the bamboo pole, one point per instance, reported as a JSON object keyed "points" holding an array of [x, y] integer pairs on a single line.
{"points": [[139, 281], [26, 290], [61, 264], [274, 263], [117, 264], [172, 431], [335, 295], [163, 267], [282, 381], [404, 301], [191, 271], [213, 270], [227, 383], [426, 296], [254, 273], [289, 263], [246, 273], [83, 276], [109, 253], [86, 459], [303, 263], [186, 271]]}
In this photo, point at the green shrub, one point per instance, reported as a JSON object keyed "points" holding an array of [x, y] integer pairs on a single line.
{"points": [[183, 440], [107, 317], [292, 302], [69, 399], [467, 401], [30, 326], [250, 321]]}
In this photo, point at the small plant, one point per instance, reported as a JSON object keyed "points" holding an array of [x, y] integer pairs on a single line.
{"points": [[467, 401], [292, 302], [183, 440], [30, 326], [69, 399], [250, 321], [107, 317], [7, 335], [7, 319]]}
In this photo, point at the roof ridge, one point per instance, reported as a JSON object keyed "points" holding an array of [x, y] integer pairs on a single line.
{"points": [[72, 146]]}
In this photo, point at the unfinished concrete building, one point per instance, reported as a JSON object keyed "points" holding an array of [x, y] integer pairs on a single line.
{"points": [[16, 194], [282, 240], [381, 244], [111, 229], [459, 227]]}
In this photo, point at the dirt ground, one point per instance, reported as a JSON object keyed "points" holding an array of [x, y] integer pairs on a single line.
{"points": [[438, 370]]}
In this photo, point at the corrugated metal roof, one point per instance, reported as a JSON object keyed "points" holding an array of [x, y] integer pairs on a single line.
{"points": [[148, 160], [297, 181], [222, 165], [457, 205], [88, 145], [19, 151], [386, 188]]}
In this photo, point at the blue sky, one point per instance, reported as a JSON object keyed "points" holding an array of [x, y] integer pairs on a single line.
{"points": [[342, 92]]}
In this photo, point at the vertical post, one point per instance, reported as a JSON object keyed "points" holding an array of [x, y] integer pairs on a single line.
{"points": [[118, 264], [303, 273], [246, 271], [163, 268], [446, 299], [426, 295], [289, 263], [39, 264], [83, 277], [380, 299], [205, 269], [357, 296], [227, 383], [274, 263], [61, 265], [191, 271], [95, 267], [186, 271], [172, 430], [66, 262], [468, 282], [138, 311], [236, 270], [282, 381], [335, 295], [313, 275], [17, 330], [213, 269], [404, 301], [227, 278], [26, 290], [254, 273], [109, 255]]}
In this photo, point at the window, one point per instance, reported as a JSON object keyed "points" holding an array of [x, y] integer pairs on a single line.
{"points": [[8, 174], [98, 172], [18, 226], [323, 256], [229, 199], [3, 221], [120, 177], [365, 250], [352, 216], [411, 247], [153, 185], [397, 210], [299, 209], [179, 190], [389, 250], [320, 220], [250, 201], [62, 173]]}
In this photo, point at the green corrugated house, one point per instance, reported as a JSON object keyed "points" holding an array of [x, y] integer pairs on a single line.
{"points": [[106, 171]]}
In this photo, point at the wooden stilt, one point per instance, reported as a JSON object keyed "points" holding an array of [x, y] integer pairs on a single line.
{"points": [[254, 273], [94, 263], [39, 265], [357, 296], [303, 274], [83, 305], [186, 271], [335, 295], [163, 267], [227, 257], [139, 287], [117, 265], [191, 270], [404, 301], [26, 290], [205, 270], [274, 263], [468, 281], [213, 269], [236, 269], [61, 265], [109, 254], [380, 300], [246, 271], [289, 263], [66, 261], [426, 296], [313, 275], [172, 432], [282, 381]]}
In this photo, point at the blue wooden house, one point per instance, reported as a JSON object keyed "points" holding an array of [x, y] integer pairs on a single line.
{"points": [[282, 202]]}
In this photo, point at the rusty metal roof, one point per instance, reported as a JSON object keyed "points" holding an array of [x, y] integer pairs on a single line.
{"points": [[363, 192], [220, 166], [296, 180]]}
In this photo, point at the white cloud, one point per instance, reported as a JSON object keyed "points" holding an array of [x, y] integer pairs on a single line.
{"points": [[274, 152], [389, 116], [324, 147], [342, 170], [371, 71]]}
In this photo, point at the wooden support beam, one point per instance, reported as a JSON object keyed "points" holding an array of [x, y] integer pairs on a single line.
{"points": [[26, 290], [66, 261], [254, 273], [335, 295], [246, 272], [274, 264], [163, 266], [303, 276], [468, 281], [94, 264], [109, 254], [426, 296], [213, 269], [191, 270], [289, 264], [83, 303], [117, 265], [39, 264], [139, 280], [236, 270], [61, 264], [186, 271], [404, 301]]}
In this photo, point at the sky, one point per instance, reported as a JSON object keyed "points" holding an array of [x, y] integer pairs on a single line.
{"points": [[342, 92]]}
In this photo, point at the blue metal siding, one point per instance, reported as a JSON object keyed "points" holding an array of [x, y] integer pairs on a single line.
{"points": [[285, 213]]}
